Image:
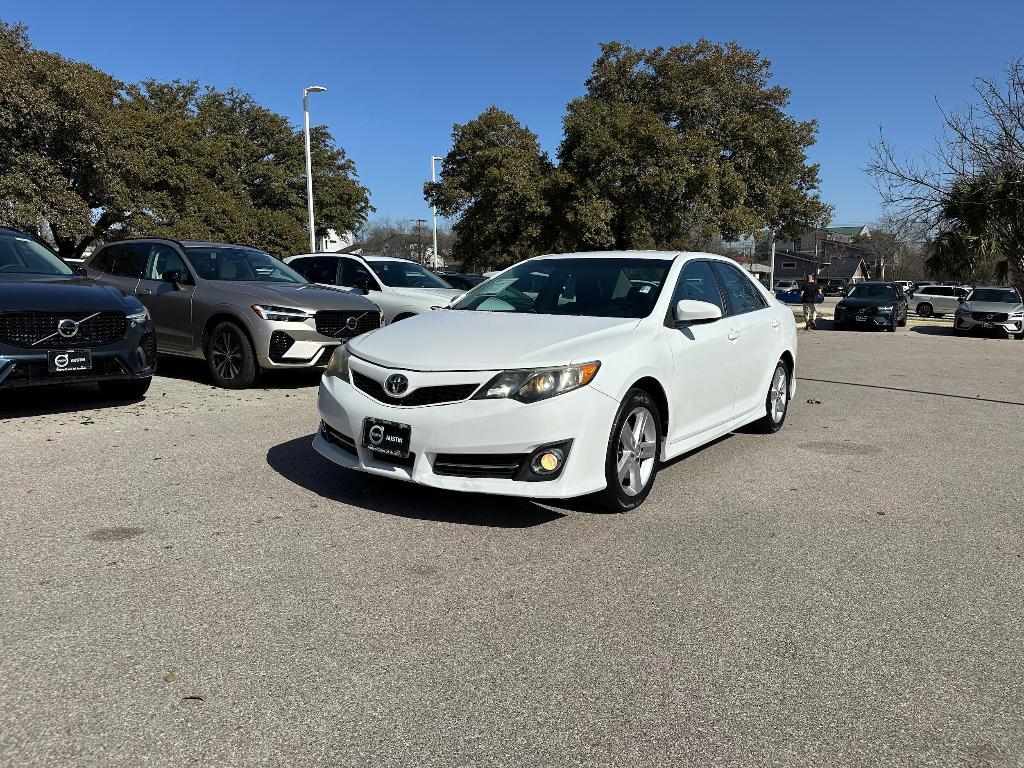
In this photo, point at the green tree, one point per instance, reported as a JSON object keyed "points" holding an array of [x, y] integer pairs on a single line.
{"points": [[496, 181]]}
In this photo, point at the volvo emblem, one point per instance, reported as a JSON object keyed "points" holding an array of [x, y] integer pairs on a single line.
{"points": [[376, 434], [989, 317], [67, 328], [352, 323], [396, 384]]}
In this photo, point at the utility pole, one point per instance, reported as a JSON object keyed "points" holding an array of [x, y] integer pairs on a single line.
{"points": [[309, 163], [435, 262], [420, 224]]}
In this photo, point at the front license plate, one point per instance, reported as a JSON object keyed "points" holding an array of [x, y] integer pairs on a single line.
{"points": [[69, 360], [860, 319], [387, 437]]}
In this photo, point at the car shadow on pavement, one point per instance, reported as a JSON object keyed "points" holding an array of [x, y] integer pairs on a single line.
{"points": [[933, 330], [298, 463], [60, 398], [190, 369]]}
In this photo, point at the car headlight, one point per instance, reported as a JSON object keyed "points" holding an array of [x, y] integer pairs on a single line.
{"points": [[885, 310], [531, 385], [138, 317], [338, 366], [281, 314]]}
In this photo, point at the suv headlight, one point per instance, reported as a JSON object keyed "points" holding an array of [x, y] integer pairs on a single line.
{"points": [[885, 310], [138, 317], [281, 314], [531, 385], [338, 366]]}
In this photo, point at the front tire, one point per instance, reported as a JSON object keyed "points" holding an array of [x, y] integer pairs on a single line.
{"points": [[631, 461], [126, 389], [924, 309], [903, 320], [231, 358], [776, 402]]}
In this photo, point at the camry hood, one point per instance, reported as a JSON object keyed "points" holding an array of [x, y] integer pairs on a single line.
{"points": [[296, 295], [429, 296], [991, 306], [61, 293], [457, 340]]}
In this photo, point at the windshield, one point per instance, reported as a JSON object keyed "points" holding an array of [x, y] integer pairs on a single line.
{"points": [[214, 262], [406, 274], [872, 292], [996, 295], [592, 287], [20, 255]]}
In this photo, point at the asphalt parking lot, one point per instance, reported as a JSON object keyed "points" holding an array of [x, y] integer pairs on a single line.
{"points": [[184, 582]]}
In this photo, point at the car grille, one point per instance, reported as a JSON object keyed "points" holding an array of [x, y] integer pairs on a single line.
{"points": [[503, 466], [280, 343], [148, 346], [344, 325], [991, 317], [25, 329], [333, 436], [867, 311], [449, 393]]}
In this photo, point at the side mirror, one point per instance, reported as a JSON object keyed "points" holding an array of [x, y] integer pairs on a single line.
{"points": [[688, 311]]}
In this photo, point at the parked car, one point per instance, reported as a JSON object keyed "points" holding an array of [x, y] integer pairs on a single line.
{"points": [[464, 281], [240, 309], [991, 308], [787, 286], [401, 288], [565, 375], [936, 300], [794, 296], [59, 327], [872, 304], [835, 286]]}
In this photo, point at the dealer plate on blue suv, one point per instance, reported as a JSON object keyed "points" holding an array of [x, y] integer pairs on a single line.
{"points": [[387, 437], [69, 360]]}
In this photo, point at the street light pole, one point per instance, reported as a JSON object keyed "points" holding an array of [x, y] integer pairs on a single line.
{"points": [[309, 163], [433, 178]]}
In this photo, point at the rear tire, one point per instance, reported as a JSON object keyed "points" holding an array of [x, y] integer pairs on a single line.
{"points": [[126, 389], [924, 309], [631, 461], [1019, 336], [230, 357], [776, 402]]}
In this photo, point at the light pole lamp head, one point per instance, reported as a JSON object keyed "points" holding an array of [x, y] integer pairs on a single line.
{"points": [[313, 89]]}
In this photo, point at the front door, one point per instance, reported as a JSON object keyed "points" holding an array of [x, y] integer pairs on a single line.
{"points": [[705, 358], [170, 305]]}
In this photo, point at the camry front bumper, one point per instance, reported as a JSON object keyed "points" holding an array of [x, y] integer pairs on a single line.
{"points": [[473, 436]]}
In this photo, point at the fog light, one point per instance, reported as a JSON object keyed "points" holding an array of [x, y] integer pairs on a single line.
{"points": [[548, 461]]}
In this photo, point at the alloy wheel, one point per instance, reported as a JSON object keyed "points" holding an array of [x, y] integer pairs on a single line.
{"points": [[226, 354], [637, 451], [779, 395]]}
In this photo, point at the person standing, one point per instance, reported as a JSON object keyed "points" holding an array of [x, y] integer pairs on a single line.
{"points": [[809, 296]]}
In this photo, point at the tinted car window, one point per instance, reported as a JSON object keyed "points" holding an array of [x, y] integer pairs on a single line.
{"points": [[129, 260], [743, 296], [353, 273], [103, 260], [697, 283], [319, 270]]}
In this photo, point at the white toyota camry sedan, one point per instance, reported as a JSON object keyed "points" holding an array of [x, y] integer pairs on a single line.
{"points": [[562, 376]]}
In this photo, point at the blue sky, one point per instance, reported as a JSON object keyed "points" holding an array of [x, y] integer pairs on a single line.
{"points": [[401, 74]]}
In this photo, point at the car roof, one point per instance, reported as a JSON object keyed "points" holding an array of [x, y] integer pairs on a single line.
{"points": [[625, 255]]}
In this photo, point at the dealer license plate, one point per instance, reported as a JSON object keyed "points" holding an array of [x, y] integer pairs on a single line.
{"points": [[387, 437], [69, 360]]}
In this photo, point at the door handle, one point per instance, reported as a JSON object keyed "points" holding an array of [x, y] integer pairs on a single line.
{"points": [[143, 292], [733, 334]]}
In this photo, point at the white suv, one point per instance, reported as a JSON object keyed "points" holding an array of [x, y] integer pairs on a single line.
{"points": [[936, 300], [401, 288]]}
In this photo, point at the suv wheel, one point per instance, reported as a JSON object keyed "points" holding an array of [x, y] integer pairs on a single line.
{"points": [[903, 319], [924, 309], [230, 357], [776, 402], [126, 389], [631, 462]]}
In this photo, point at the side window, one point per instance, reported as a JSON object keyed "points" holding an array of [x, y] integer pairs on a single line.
{"points": [[697, 283], [743, 296], [320, 270], [130, 260], [354, 273], [165, 259], [103, 260]]}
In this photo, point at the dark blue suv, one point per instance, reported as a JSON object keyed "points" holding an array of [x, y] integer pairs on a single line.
{"points": [[59, 327]]}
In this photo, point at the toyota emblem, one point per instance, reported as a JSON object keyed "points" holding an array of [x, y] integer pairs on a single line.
{"points": [[67, 328], [396, 384], [376, 434]]}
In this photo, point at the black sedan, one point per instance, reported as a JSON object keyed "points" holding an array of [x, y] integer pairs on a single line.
{"points": [[58, 327], [872, 305], [462, 280]]}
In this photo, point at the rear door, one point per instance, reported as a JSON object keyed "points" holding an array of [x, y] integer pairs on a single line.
{"points": [[170, 305], [318, 269], [705, 357], [758, 327]]}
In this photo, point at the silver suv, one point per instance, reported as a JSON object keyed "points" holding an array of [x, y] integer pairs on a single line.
{"points": [[936, 300], [240, 309], [991, 309]]}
